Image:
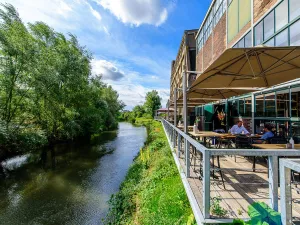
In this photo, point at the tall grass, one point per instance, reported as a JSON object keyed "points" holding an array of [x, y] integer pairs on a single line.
{"points": [[152, 192]]}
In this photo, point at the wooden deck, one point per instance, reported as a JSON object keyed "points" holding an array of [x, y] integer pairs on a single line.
{"points": [[242, 185]]}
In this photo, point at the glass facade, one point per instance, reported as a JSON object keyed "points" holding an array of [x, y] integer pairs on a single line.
{"points": [[294, 9], [245, 42], [295, 34], [281, 15], [269, 25], [282, 38], [259, 34], [211, 21]]}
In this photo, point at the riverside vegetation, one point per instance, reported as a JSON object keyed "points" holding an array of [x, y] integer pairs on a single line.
{"points": [[152, 192], [47, 91]]}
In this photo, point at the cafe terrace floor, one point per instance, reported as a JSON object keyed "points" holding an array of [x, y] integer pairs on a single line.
{"points": [[242, 185]]}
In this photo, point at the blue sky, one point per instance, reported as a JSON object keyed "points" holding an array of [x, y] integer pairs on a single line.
{"points": [[133, 41]]}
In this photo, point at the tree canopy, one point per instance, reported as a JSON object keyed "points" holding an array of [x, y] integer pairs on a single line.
{"points": [[152, 103], [47, 91]]}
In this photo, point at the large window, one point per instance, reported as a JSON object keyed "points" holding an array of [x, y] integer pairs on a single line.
{"points": [[259, 107], [211, 21], [259, 35], [269, 25], [294, 9], [239, 14], [241, 107], [270, 105], [295, 102], [282, 38], [248, 107], [282, 101], [295, 34], [248, 40], [281, 13]]}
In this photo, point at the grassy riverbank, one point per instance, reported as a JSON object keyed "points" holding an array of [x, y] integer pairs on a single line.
{"points": [[152, 192]]}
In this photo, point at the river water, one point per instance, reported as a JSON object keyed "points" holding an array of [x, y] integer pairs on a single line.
{"points": [[69, 184]]}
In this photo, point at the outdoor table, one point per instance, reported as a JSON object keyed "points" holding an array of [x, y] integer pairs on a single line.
{"points": [[182, 127], [274, 146], [204, 135]]}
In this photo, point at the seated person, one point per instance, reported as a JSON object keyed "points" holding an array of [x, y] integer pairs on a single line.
{"points": [[239, 128], [267, 134]]}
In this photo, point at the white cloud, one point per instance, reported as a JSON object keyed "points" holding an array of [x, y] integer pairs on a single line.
{"points": [[137, 12], [129, 84], [63, 15], [108, 70]]}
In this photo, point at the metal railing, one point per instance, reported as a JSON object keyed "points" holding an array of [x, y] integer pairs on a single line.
{"points": [[197, 163], [288, 167]]}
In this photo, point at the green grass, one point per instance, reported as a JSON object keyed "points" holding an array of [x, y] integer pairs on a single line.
{"points": [[152, 192]]}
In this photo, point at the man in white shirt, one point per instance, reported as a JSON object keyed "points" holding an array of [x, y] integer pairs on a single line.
{"points": [[239, 128]]}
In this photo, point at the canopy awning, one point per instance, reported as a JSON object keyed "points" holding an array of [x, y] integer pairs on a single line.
{"points": [[240, 71]]}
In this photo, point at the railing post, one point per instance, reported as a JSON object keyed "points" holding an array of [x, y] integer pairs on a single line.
{"points": [[206, 184], [178, 145], [286, 195], [273, 182], [174, 138], [187, 159]]}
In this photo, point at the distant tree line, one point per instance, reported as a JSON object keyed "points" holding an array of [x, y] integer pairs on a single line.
{"points": [[47, 91], [147, 110]]}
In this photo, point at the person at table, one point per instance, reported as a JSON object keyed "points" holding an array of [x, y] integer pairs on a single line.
{"points": [[267, 134], [239, 128]]}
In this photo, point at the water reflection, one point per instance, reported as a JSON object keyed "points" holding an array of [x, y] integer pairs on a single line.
{"points": [[69, 183]]}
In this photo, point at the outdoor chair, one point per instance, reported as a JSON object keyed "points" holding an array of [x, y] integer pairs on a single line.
{"points": [[244, 142], [277, 140]]}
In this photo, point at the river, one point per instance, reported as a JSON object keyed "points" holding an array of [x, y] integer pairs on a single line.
{"points": [[69, 184]]}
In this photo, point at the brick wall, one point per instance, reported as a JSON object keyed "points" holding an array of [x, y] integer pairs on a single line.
{"points": [[207, 53], [199, 61], [219, 38], [261, 7]]}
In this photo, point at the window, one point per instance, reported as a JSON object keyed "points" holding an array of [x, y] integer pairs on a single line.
{"points": [[281, 39], [270, 105], [259, 107], [248, 40], [270, 43], [269, 25], [240, 44], [294, 9], [295, 34], [248, 107], [295, 101], [259, 33], [282, 101], [281, 13], [241, 107]]}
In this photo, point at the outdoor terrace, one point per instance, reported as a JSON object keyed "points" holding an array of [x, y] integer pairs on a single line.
{"points": [[227, 174]]}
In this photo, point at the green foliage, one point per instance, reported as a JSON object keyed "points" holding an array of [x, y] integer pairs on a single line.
{"points": [[152, 192], [261, 214], [216, 208], [46, 88], [152, 103]]}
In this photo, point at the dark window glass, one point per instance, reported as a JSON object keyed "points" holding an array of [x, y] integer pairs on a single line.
{"points": [[295, 102], [248, 107], [295, 34], [234, 109], [281, 13], [248, 40], [259, 33], [294, 9], [282, 101], [270, 105], [241, 107], [269, 25], [259, 109], [281, 39]]}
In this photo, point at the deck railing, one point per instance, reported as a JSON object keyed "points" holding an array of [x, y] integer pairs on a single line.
{"points": [[194, 163], [288, 167]]}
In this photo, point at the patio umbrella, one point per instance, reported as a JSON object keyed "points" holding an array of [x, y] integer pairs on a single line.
{"points": [[240, 71]]}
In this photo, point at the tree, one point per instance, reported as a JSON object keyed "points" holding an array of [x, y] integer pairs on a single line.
{"points": [[138, 111], [152, 103]]}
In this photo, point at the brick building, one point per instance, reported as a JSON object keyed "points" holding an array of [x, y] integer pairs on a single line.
{"points": [[246, 23]]}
